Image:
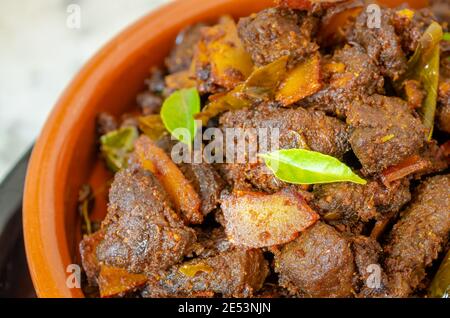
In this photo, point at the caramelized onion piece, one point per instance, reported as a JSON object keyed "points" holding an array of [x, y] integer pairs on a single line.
{"points": [[303, 80], [114, 281], [336, 21], [222, 51], [256, 219], [179, 189]]}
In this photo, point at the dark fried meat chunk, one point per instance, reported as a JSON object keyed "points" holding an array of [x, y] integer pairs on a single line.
{"points": [[106, 123], [411, 30], [348, 205], [211, 242], [382, 43], [277, 32], [419, 236], [235, 273], [142, 231], [297, 128], [443, 102], [88, 252], [149, 103], [414, 93], [180, 57], [384, 132], [350, 73], [441, 9], [371, 280], [207, 182], [150, 100], [319, 263]]}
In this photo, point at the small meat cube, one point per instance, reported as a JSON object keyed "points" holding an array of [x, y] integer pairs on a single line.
{"points": [[414, 93], [319, 263], [277, 32], [298, 128], [441, 9], [235, 273], [443, 106], [211, 242], [207, 182], [371, 280], [349, 206], [384, 132], [180, 57], [149, 103], [420, 235], [411, 29], [351, 73], [155, 83], [382, 43], [106, 123], [88, 252], [142, 231]]}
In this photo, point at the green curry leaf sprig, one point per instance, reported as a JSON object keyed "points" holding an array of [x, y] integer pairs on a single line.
{"points": [[177, 114], [300, 166]]}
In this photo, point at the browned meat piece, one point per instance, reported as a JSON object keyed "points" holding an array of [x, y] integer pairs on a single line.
{"points": [[180, 57], [382, 43], [441, 9], [142, 232], [410, 30], [349, 206], [350, 73], [443, 115], [297, 128], [419, 236], [276, 32], [129, 120], [384, 132], [443, 106], [414, 93], [149, 103], [319, 263], [371, 280], [434, 158], [210, 242], [235, 273], [88, 252], [106, 123], [156, 83], [206, 181]]}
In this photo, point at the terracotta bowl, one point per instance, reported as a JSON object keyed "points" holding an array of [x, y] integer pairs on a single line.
{"points": [[65, 155]]}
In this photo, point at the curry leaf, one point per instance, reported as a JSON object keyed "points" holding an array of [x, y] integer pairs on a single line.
{"points": [[177, 114], [440, 286], [117, 145], [424, 66], [300, 166], [446, 36]]}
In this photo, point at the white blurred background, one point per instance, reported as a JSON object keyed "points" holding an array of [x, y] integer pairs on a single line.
{"points": [[39, 54]]}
